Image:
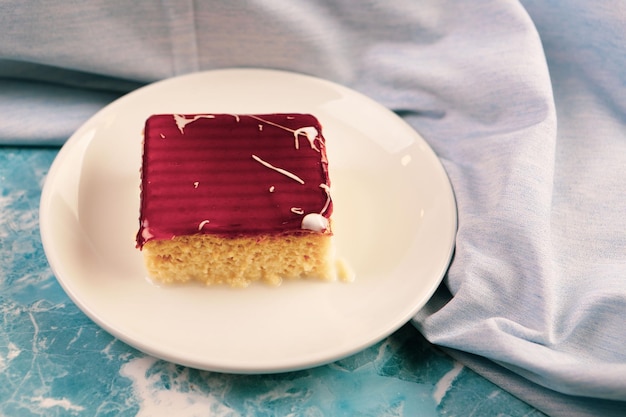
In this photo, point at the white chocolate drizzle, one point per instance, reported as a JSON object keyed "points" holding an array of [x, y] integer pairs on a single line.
{"points": [[182, 121], [280, 170], [326, 188], [202, 223], [309, 132], [195, 184], [297, 210]]}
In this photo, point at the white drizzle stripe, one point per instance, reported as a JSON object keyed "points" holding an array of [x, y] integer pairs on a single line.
{"points": [[202, 223], [182, 121], [271, 123], [280, 170], [310, 132], [327, 189]]}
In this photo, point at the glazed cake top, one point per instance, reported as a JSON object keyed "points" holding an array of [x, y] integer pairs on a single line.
{"points": [[233, 175]]}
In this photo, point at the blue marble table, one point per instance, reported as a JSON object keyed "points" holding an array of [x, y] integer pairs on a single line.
{"points": [[54, 361]]}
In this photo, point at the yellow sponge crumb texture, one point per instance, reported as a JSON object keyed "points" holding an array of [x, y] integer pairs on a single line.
{"points": [[239, 261]]}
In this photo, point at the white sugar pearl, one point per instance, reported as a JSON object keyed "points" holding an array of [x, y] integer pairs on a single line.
{"points": [[315, 222]]}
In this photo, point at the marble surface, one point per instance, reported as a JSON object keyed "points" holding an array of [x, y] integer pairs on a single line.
{"points": [[54, 361]]}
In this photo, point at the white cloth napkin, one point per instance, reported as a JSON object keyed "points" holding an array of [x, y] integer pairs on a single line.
{"points": [[525, 104]]}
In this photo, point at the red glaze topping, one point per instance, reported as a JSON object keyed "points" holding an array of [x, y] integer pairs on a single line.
{"points": [[232, 175]]}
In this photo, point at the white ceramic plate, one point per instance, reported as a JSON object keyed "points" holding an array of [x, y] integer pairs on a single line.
{"points": [[395, 222]]}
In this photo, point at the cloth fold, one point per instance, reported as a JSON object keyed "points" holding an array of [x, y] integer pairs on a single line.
{"points": [[524, 103], [25, 104]]}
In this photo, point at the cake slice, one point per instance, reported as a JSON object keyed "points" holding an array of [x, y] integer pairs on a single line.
{"points": [[235, 198]]}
